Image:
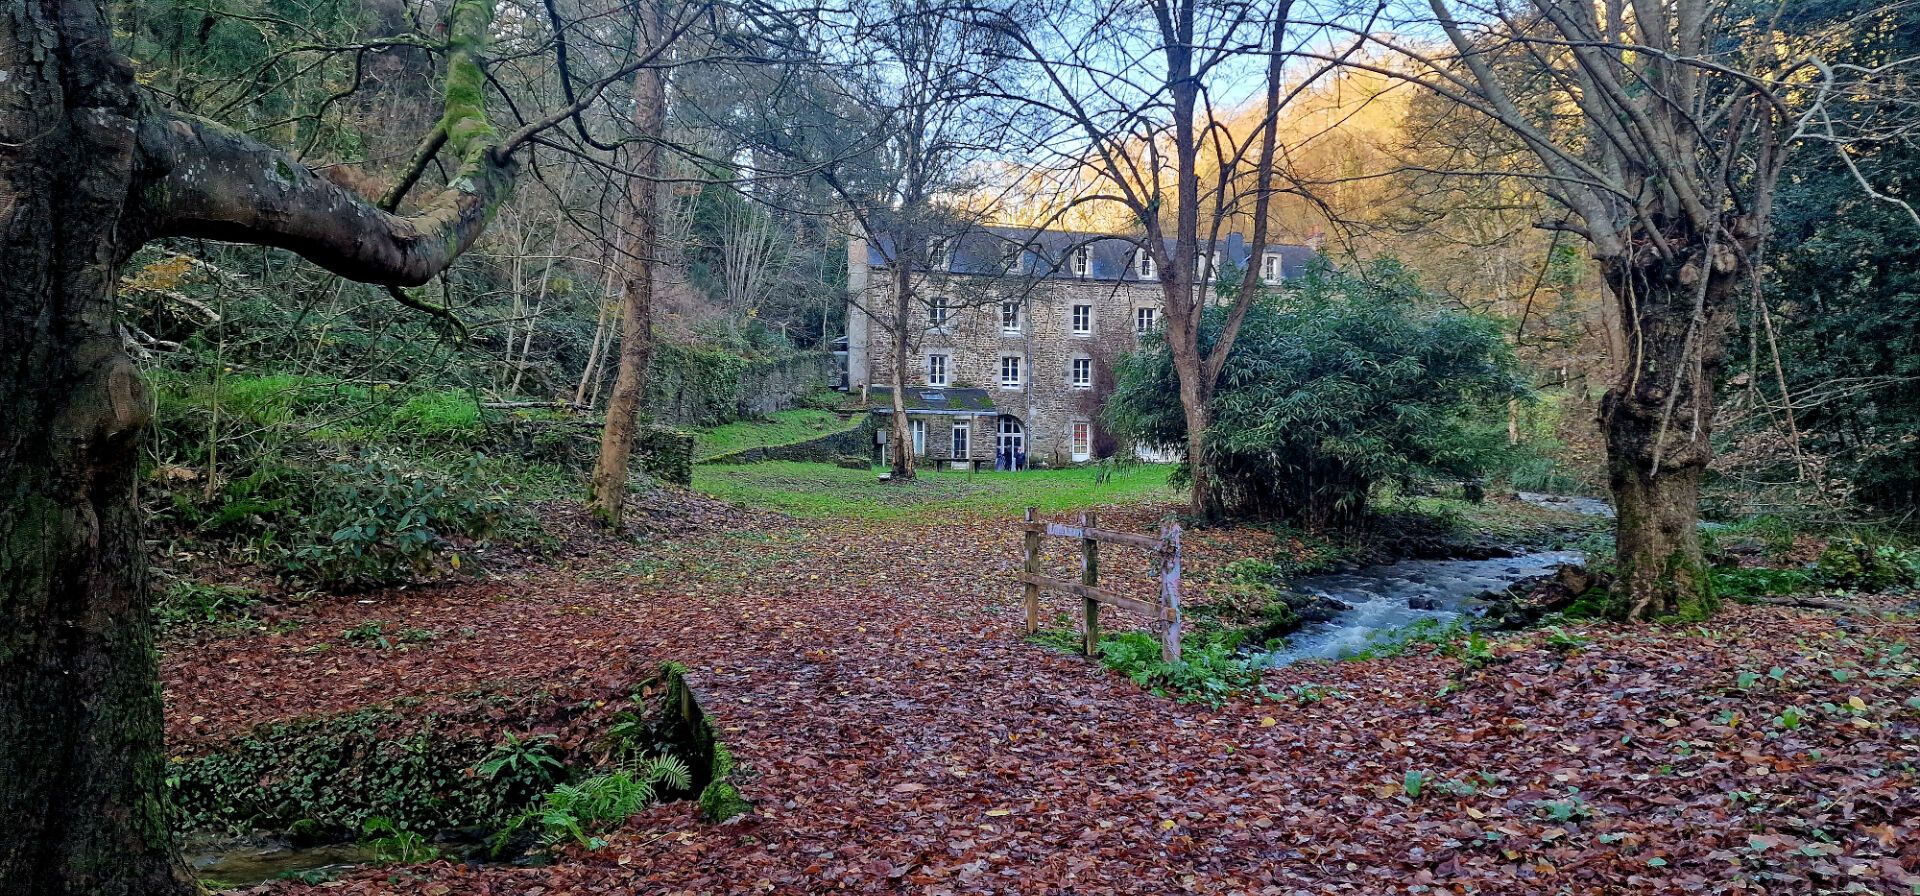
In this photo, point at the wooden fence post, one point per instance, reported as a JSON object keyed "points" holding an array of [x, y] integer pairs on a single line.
{"points": [[1090, 577], [1170, 594], [1030, 594]]}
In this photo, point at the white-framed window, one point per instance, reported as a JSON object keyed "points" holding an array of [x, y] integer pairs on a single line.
{"points": [[1009, 371], [1143, 264], [1205, 265], [962, 439], [937, 311], [938, 367], [1083, 320], [919, 428], [1082, 260], [1010, 256], [1145, 319], [1010, 316], [1082, 440], [937, 255], [1270, 268], [1082, 373]]}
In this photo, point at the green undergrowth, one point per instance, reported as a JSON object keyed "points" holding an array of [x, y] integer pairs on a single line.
{"points": [[780, 428], [1766, 556], [1401, 640], [515, 773], [1210, 670], [824, 491], [343, 522]]}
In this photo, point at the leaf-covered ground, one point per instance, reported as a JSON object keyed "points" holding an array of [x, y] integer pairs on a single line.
{"points": [[900, 736]]}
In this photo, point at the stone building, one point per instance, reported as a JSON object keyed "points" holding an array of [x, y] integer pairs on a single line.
{"points": [[1013, 342]]}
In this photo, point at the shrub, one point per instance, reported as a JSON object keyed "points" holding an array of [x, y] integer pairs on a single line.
{"points": [[368, 523], [1849, 563], [1347, 381]]}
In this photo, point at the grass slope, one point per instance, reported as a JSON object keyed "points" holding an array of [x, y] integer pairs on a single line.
{"points": [[822, 491], [782, 428]]}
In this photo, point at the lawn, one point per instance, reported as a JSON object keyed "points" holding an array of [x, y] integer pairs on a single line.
{"points": [[823, 491], [782, 428]]}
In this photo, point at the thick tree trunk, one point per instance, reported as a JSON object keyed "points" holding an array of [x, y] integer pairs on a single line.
{"points": [[81, 761], [902, 466], [1657, 419], [611, 471], [89, 171]]}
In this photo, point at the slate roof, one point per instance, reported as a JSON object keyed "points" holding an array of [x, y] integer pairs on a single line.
{"points": [[933, 399], [983, 250]]}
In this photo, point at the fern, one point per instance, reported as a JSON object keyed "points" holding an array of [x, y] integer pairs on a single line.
{"points": [[572, 813]]}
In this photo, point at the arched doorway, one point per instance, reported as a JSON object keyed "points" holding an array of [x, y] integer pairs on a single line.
{"points": [[1010, 448]]}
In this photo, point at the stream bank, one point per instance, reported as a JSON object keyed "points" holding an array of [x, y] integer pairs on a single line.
{"points": [[1432, 562], [457, 776], [1391, 596]]}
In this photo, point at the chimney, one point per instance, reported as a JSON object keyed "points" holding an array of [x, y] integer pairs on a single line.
{"points": [[859, 326]]}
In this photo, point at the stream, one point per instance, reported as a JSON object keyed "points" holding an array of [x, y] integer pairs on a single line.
{"points": [[236, 865], [1384, 597]]}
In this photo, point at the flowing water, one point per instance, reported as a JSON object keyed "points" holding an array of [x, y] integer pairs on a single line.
{"points": [[1385, 597], [251, 863], [1569, 503]]}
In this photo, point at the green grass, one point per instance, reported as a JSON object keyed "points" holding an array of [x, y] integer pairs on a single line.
{"points": [[783, 428], [823, 491]]}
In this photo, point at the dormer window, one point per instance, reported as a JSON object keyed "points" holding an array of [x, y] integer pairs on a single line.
{"points": [[1082, 261], [1270, 270], [1009, 256], [937, 255], [1143, 264]]}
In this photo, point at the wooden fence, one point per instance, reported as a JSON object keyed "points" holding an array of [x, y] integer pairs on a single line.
{"points": [[1163, 610]]}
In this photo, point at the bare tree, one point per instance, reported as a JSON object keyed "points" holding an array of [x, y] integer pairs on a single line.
{"points": [[1661, 130], [612, 469], [1134, 86], [944, 112], [752, 254]]}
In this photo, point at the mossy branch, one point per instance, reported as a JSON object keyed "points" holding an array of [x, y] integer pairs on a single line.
{"points": [[216, 183]]}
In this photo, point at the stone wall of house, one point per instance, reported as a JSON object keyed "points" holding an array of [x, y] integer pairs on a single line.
{"points": [[1046, 402]]}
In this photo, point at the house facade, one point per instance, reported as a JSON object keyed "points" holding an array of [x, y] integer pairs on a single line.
{"points": [[1013, 342]]}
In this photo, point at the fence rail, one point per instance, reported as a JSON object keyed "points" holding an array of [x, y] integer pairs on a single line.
{"points": [[1163, 610]]}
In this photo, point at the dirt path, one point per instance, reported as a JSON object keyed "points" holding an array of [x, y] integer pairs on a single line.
{"points": [[901, 737]]}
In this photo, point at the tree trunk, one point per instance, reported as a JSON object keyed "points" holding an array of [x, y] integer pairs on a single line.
{"points": [[902, 467], [89, 171], [611, 470], [1203, 501], [1196, 398], [81, 759], [1657, 419]]}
